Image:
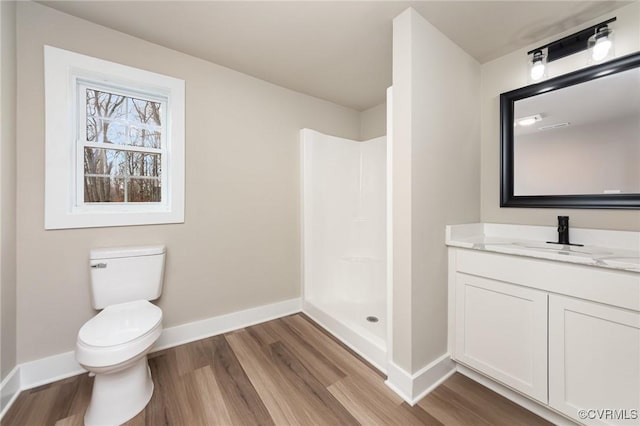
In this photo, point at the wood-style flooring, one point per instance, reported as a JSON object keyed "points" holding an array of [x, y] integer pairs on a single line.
{"points": [[284, 372]]}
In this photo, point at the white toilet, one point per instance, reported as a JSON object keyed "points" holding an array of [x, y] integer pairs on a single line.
{"points": [[114, 343]]}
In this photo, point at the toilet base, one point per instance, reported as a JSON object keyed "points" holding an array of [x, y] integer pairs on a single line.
{"points": [[119, 396]]}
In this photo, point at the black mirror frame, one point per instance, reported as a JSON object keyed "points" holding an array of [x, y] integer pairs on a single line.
{"points": [[507, 100]]}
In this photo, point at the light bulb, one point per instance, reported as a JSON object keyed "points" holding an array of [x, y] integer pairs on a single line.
{"points": [[527, 121], [601, 49], [537, 70], [601, 45]]}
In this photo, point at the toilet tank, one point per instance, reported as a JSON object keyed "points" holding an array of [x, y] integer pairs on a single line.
{"points": [[125, 274]]}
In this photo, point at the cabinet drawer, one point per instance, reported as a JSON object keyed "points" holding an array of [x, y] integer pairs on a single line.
{"points": [[617, 288], [501, 330]]}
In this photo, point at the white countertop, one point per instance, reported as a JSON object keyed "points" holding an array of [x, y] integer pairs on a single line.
{"points": [[605, 249]]}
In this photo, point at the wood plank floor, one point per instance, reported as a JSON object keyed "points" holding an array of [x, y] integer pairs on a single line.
{"points": [[284, 372]]}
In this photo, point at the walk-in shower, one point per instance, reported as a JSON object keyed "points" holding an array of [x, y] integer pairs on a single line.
{"points": [[344, 239]]}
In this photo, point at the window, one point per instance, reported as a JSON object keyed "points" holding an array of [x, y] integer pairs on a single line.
{"points": [[121, 143], [115, 144]]}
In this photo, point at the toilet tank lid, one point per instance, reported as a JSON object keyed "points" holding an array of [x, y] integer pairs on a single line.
{"points": [[116, 252]]}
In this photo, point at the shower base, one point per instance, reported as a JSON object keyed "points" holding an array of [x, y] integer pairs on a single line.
{"points": [[348, 322]]}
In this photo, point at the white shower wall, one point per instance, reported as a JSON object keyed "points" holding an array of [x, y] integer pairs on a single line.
{"points": [[344, 234]]}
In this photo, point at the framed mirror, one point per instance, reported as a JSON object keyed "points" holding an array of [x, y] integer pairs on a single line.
{"points": [[574, 141]]}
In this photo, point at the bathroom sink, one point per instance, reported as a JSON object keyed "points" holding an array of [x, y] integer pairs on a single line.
{"points": [[632, 259], [563, 249], [605, 249]]}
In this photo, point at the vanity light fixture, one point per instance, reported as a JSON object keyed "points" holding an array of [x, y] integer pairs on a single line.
{"points": [[601, 45], [597, 38], [538, 66], [529, 120]]}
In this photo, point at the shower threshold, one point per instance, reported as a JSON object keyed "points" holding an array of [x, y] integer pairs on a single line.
{"points": [[366, 338]]}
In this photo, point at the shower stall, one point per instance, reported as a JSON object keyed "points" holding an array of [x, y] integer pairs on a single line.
{"points": [[344, 240]]}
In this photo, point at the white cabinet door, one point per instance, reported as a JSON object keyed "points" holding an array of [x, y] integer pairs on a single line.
{"points": [[594, 361], [501, 330]]}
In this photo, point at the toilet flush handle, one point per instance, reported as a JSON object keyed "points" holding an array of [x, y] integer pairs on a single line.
{"points": [[99, 266]]}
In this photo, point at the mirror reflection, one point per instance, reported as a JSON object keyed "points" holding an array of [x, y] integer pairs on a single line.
{"points": [[581, 140]]}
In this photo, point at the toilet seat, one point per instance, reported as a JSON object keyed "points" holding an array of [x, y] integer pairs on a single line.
{"points": [[121, 323], [118, 333]]}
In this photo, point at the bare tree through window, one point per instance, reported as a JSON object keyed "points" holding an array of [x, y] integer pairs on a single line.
{"points": [[122, 152]]}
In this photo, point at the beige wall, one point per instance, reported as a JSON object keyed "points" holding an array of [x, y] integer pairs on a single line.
{"points": [[436, 122], [510, 72], [373, 122], [401, 219], [7, 188], [587, 158], [239, 246]]}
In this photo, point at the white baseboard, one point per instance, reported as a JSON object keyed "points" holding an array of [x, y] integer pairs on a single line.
{"points": [[9, 390], [197, 330], [399, 381], [47, 370], [536, 408], [431, 376], [413, 387]]}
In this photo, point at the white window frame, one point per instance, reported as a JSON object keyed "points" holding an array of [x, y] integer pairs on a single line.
{"points": [[82, 142], [66, 73]]}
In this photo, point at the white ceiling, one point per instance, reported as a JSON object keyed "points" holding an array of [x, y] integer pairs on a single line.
{"points": [[335, 50]]}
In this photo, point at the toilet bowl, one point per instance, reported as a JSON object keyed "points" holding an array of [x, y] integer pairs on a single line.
{"points": [[114, 345]]}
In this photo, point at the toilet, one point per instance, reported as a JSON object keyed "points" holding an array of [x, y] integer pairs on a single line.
{"points": [[114, 344]]}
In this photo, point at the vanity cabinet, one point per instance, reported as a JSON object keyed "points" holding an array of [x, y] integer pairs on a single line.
{"points": [[501, 330], [594, 357], [562, 334]]}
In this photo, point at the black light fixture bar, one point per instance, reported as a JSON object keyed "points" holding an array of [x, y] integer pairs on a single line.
{"points": [[571, 44]]}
